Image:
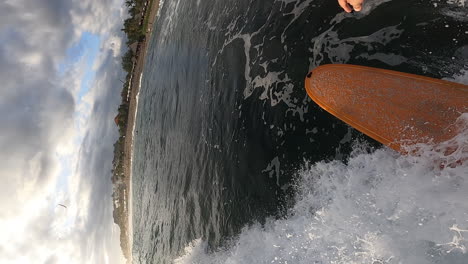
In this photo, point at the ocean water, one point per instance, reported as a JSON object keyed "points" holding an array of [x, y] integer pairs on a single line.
{"points": [[380, 207], [233, 163]]}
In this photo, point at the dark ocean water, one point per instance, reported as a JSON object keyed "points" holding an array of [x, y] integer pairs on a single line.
{"points": [[225, 129]]}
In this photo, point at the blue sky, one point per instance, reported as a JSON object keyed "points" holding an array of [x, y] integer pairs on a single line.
{"points": [[86, 49]]}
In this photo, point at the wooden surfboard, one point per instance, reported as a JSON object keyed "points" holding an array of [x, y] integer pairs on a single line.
{"points": [[391, 107]]}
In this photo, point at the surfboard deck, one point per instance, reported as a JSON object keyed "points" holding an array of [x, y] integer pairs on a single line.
{"points": [[391, 107]]}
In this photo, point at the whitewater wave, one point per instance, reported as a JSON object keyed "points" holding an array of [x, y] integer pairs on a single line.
{"points": [[380, 207]]}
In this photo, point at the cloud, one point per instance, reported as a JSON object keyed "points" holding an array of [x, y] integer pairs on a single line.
{"points": [[95, 162], [38, 123]]}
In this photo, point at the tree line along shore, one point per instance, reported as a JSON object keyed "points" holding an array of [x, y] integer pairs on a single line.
{"points": [[136, 27]]}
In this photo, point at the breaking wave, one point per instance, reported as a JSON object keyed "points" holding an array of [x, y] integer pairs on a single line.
{"points": [[380, 207]]}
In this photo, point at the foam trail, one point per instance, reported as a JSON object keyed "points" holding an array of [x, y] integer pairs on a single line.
{"points": [[381, 207]]}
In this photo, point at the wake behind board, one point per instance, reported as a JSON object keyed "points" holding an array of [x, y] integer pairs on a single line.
{"points": [[391, 107]]}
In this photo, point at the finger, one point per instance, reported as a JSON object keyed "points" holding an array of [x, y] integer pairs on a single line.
{"points": [[357, 7], [345, 6], [356, 4]]}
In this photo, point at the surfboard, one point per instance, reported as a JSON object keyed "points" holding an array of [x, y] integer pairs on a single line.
{"points": [[394, 108]]}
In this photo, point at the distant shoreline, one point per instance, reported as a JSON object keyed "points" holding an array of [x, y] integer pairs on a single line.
{"points": [[125, 224]]}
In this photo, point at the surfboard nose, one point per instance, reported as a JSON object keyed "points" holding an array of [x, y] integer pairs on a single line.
{"points": [[391, 107]]}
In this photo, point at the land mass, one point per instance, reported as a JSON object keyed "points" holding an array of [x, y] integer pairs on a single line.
{"points": [[138, 28]]}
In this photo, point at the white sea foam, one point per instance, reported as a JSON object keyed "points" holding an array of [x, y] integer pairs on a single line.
{"points": [[170, 19], [161, 5], [381, 207], [461, 3], [462, 77], [130, 194]]}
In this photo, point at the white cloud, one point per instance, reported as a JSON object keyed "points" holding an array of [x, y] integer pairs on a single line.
{"points": [[43, 162]]}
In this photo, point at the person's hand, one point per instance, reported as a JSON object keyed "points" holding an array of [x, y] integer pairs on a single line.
{"points": [[350, 5]]}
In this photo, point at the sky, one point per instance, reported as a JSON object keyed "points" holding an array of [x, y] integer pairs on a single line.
{"points": [[59, 92]]}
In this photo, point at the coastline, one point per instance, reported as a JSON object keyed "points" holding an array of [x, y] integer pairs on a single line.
{"points": [[134, 92]]}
